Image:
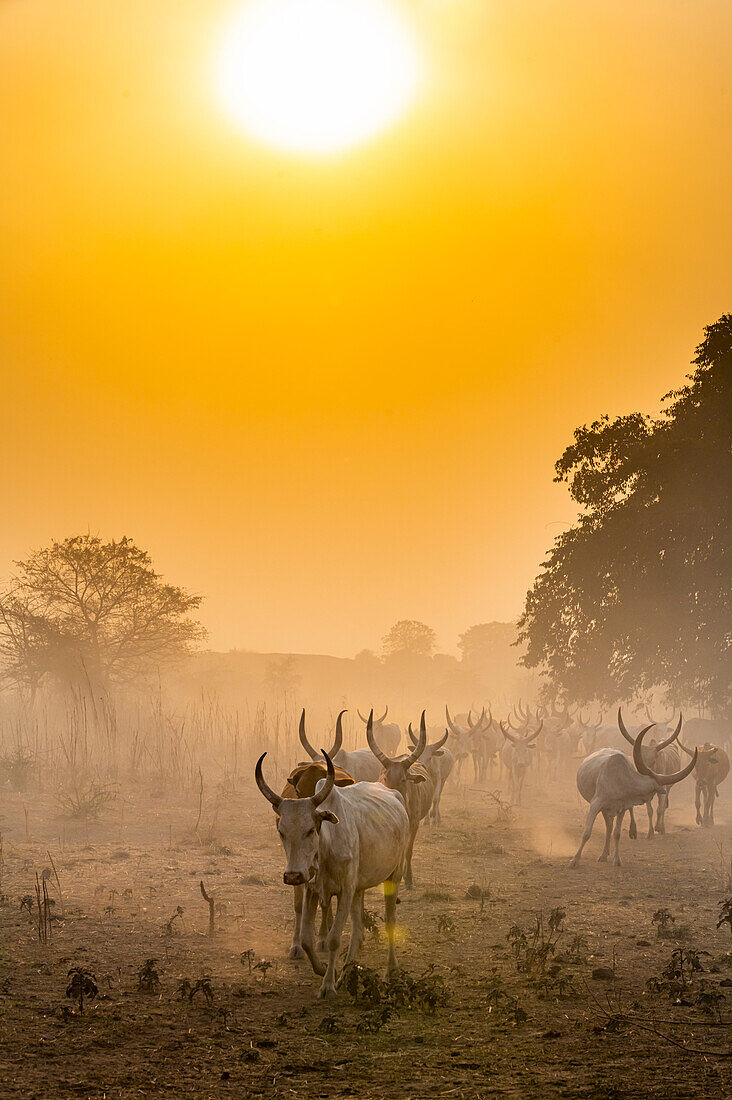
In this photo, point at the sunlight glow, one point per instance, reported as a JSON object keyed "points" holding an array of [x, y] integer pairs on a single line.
{"points": [[318, 76]]}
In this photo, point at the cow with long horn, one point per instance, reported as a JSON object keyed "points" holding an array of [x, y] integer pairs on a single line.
{"points": [[388, 733], [301, 783], [413, 782], [516, 757], [662, 755], [439, 762], [712, 768], [462, 741], [612, 786], [359, 764], [339, 843]]}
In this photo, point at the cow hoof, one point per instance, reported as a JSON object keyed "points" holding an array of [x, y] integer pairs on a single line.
{"points": [[573, 863], [602, 858], [617, 863], [296, 952], [326, 991], [633, 834]]}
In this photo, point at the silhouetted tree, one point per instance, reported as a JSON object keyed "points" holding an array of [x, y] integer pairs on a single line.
{"points": [[409, 638], [637, 593], [91, 614], [486, 643]]}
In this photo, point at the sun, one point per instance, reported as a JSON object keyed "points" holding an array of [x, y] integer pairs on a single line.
{"points": [[318, 76]]}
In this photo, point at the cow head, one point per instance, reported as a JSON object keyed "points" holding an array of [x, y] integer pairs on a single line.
{"points": [[395, 770], [430, 752], [300, 820], [523, 745]]}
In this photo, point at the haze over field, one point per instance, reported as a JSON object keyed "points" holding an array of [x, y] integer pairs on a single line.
{"points": [[329, 393]]}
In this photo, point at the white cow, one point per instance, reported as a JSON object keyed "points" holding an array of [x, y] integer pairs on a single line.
{"points": [[388, 733], [516, 756], [612, 786], [414, 783], [360, 764], [662, 756], [439, 762], [339, 843]]}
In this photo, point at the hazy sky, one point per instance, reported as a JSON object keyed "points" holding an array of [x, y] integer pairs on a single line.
{"points": [[328, 394]]}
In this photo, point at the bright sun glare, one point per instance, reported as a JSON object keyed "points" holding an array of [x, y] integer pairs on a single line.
{"points": [[318, 76]]}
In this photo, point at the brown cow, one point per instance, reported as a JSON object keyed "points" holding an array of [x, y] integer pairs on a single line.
{"points": [[301, 783], [712, 767]]}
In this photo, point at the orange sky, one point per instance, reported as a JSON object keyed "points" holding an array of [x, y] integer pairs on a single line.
{"points": [[328, 394]]}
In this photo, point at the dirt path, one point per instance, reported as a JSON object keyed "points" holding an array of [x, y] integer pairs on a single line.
{"points": [[266, 1034]]}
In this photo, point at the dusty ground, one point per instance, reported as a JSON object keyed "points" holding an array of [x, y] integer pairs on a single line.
{"points": [[265, 1034]]}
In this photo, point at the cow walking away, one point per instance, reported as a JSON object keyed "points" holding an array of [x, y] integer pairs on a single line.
{"points": [[612, 786]]}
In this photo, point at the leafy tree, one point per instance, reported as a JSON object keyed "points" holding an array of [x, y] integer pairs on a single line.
{"points": [[637, 593], [409, 638], [486, 643], [282, 675], [91, 614]]}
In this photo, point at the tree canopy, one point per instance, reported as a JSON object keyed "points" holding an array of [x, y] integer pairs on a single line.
{"points": [[410, 638], [636, 595], [92, 613]]}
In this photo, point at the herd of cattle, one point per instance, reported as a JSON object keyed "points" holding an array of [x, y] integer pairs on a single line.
{"points": [[348, 820]]}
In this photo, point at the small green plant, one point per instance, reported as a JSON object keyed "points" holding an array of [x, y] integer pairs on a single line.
{"points": [[170, 927], [203, 985], [709, 1000], [82, 985], [445, 925], [725, 913], [373, 1021], [371, 924], [532, 952], [263, 966], [247, 958], [663, 920], [148, 979]]}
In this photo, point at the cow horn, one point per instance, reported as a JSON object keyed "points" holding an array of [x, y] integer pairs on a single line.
{"points": [[581, 720], [507, 735], [441, 742], [303, 738], [687, 751], [419, 747], [410, 731], [275, 799], [451, 724], [338, 743], [383, 759], [534, 736], [623, 730], [322, 794], [378, 721], [364, 720], [516, 728], [662, 780], [674, 735]]}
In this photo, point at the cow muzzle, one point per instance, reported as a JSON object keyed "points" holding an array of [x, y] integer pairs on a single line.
{"points": [[294, 878]]}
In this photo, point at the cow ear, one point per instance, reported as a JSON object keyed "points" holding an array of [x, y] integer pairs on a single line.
{"points": [[326, 815], [438, 753], [416, 779]]}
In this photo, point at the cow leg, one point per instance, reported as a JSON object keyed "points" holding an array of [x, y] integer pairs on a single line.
{"points": [[616, 837], [333, 941], [649, 808], [391, 887], [296, 951], [697, 799], [326, 919], [589, 823], [709, 793], [661, 813], [632, 829], [609, 819], [408, 880], [310, 908], [436, 819], [356, 927]]}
